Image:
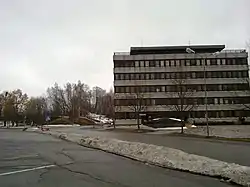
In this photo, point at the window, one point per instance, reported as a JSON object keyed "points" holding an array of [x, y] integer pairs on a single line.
{"points": [[233, 62], [152, 76], [239, 74], [132, 89], [163, 89], [220, 87], [193, 75], [208, 62], [132, 77], [214, 74], [229, 62], [218, 61], [172, 63], [225, 101], [127, 76], [223, 61], [167, 62], [151, 63], [147, 76], [172, 75], [234, 74], [167, 75], [162, 75], [162, 63], [127, 89], [122, 76], [213, 62], [117, 76], [222, 114], [177, 62], [229, 74], [136, 63], [142, 63], [142, 76], [178, 75], [187, 62], [145, 89], [244, 74], [199, 88], [192, 62], [215, 101], [157, 76], [157, 63], [224, 74], [137, 76], [122, 89], [198, 62], [147, 63]]}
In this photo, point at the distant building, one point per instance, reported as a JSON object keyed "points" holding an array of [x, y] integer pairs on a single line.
{"points": [[152, 71]]}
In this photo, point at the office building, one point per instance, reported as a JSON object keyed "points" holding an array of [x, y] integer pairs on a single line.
{"points": [[177, 81]]}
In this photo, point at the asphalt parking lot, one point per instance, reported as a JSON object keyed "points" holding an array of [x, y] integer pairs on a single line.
{"points": [[30, 159]]}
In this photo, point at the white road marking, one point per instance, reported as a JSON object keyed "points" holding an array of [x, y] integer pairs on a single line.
{"points": [[26, 170]]}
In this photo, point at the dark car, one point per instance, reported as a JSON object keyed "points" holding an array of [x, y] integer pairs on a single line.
{"points": [[163, 122]]}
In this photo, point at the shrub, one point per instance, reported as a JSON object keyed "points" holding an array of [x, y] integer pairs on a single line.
{"points": [[59, 121]]}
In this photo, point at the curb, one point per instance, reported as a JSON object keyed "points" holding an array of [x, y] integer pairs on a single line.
{"points": [[164, 157]]}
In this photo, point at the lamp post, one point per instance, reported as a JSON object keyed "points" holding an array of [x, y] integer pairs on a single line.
{"points": [[189, 50]]}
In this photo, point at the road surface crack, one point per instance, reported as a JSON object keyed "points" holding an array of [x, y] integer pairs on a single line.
{"points": [[91, 176]]}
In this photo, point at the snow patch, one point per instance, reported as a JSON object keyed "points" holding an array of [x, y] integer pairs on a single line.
{"points": [[165, 157]]}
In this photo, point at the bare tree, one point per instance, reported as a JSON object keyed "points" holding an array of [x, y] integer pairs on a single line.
{"points": [[36, 109], [246, 82], [14, 106], [183, 101], [73, 100], [137, 103]]}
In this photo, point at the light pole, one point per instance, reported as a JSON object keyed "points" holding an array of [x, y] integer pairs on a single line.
{"points": [[189, 50]]}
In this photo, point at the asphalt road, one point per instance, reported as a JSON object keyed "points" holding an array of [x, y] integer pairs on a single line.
{"points": [[24, 157], [234, 152]]}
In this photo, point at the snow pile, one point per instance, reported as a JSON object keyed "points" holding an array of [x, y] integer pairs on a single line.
{"points": [[165, 157], [100, 118]]}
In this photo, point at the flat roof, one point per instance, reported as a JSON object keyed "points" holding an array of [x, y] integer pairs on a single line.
{"points": [[175, 49]]}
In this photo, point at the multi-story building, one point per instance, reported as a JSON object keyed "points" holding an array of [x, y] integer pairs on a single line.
{"points": [[173, 82]]}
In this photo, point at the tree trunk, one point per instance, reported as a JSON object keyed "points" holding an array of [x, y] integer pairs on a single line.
{"points": [[114, 124], [138, 121], [182, 125]]}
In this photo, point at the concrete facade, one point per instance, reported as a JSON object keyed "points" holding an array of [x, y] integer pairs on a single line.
{"points": [[156, 76]]}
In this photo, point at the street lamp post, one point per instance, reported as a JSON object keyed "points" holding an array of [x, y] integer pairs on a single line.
{"points": [[189, 50]]}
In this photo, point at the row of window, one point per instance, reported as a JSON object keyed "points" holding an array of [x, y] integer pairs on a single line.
{"points": [[191, 114], [181, 75], [176, 88], [180, 62], [184, 101]]}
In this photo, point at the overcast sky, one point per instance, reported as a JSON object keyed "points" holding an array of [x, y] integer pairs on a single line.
{"points": [[48, 41]]}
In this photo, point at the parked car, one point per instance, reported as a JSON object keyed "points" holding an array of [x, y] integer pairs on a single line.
{"points": [[163, 122]]}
